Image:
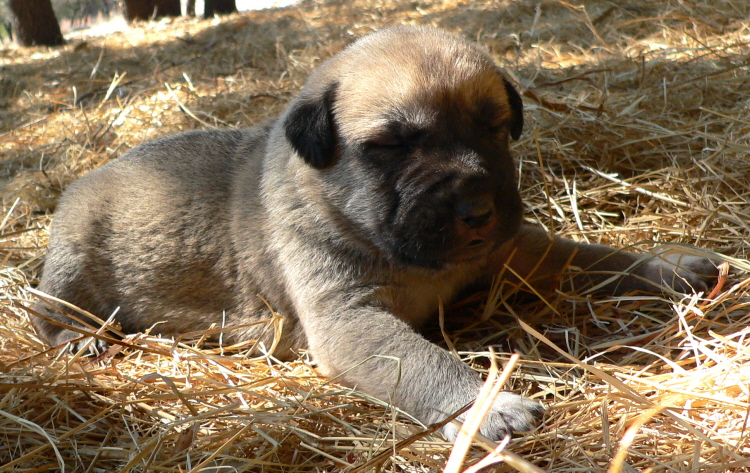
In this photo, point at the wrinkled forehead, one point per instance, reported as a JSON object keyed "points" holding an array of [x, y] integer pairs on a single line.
{"points": [[417, 83]]}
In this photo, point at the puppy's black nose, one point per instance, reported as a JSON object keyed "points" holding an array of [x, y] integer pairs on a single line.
{"points": [[476, 213]]}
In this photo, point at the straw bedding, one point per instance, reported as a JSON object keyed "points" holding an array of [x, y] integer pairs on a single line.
{"points": [[638, 130]]}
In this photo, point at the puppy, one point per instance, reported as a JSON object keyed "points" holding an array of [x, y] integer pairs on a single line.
{"points": [[386, 186]]}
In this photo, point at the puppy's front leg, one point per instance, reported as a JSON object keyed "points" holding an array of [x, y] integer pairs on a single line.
{"points": [[540, 259], [381, 355]]}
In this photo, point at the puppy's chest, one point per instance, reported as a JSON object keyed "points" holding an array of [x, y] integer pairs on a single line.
{"points": [[416, 298]]}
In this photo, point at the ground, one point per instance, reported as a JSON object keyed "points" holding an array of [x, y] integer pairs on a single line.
{"points": [[637, 134]]}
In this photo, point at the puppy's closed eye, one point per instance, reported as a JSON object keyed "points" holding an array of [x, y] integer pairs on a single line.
{"points": [[398, 136], [387, 141]]}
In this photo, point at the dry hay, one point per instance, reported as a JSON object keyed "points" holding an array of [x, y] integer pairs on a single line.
{"points": [[637, 131]]}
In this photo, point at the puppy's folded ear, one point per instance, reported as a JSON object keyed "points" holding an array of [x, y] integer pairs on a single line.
{"points": [[516, 107], [309, 126]]}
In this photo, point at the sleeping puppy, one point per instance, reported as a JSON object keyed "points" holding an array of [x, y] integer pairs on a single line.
{"points": [[386, 186]]}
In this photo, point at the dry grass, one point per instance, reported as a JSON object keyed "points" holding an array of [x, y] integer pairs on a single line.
{"points": [[638, 130]]}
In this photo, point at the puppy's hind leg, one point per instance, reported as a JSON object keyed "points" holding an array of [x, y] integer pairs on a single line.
{"points": [[64, 279], [540, 258]]}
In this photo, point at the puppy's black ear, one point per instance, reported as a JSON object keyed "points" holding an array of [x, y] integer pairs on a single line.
{"points": [[516, 107], [309, 127]]}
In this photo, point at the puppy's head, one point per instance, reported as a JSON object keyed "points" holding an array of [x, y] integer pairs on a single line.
{"points": [[409, 130]]}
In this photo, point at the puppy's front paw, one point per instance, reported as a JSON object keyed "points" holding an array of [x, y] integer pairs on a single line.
{"points": [[682, 272], [510, 413]]}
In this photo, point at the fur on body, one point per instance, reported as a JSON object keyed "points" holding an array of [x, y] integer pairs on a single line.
{"points": [[386, 186]]}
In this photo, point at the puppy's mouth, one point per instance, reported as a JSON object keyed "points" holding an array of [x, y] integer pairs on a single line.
{"points": [[459, 252], [468, 254], [475, 249]]}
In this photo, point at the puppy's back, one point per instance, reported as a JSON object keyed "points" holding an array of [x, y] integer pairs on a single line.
{"points": [[122, 234]]}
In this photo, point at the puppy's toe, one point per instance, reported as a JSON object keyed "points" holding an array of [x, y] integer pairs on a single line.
{"points": [[510, 413], [96, 348], [683, 273], [73, 342]]}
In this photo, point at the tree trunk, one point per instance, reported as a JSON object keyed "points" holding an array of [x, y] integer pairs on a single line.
{"points": [[146, 9], [168, 8], [36, 23], [218, 7], [190, 8]]}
